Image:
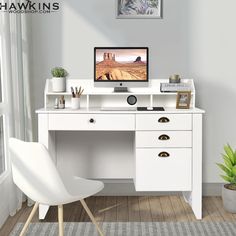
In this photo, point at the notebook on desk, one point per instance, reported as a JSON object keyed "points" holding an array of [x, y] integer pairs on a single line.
{"points": [[150, 109], [175, 87]]}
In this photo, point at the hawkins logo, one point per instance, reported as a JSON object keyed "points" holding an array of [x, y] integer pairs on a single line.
{"points": [[30, 7]]}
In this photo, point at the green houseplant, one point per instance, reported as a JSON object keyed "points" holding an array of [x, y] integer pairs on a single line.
{"points": [[59, 79], [229, 169]]}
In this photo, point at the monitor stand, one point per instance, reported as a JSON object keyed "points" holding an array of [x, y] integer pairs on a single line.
{"points": [[121, 90]]}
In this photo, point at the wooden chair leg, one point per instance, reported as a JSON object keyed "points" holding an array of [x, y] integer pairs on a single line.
{"points": [[60, 220], [23, 231], [91, 216]]}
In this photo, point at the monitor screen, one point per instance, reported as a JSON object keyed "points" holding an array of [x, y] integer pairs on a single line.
{"points": [[121, 64]]}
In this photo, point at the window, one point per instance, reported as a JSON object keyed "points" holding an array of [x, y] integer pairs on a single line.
{"points": [[2, 128], [0, 78], [2, 151]]}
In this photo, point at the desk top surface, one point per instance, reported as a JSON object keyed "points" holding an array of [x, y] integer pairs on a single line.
{"points": [[98, 111]]}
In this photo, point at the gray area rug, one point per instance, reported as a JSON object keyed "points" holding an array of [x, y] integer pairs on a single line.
{"points": [[133, 228]]}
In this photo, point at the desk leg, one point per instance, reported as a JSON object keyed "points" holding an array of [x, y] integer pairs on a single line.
{"points": [[196, 196], [48, 139]]}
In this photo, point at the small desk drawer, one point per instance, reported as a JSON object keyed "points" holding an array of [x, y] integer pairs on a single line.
{"points": [[171, 172], [163, 139], [91, 122], [163, 122]]}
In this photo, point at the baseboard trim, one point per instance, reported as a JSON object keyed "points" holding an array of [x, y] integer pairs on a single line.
{"points": [[212, 189], [126, 188]]}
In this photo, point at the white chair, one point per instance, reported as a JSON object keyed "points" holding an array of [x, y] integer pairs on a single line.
{"points": [[36, 175]]}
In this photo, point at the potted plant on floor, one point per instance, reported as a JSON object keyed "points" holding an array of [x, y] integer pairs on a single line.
{"points": [[59, 79], [229, 189]]}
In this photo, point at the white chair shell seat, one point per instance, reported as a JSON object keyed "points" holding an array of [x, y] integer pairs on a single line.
{"points": [[36, 175], [79, 188]]}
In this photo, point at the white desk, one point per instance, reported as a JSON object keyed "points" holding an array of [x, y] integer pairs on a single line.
{"points": [[173, 164], [160, 151]]}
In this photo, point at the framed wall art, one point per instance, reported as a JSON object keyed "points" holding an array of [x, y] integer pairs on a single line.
{"points": [[139, 9]]}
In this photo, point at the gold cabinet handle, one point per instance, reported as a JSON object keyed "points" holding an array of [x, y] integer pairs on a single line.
{"points": [[163, 120], [163, 154], [164, 137]]}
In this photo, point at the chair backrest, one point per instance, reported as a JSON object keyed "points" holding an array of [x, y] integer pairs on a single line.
{"points": [[34, 172]]}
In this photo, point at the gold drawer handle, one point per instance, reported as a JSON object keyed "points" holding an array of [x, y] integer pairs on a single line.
{"points": [[163, 120], [164, 154], [164, 137]]}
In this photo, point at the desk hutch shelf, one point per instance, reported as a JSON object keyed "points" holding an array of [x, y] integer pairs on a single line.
{"points": [[102, 97]]}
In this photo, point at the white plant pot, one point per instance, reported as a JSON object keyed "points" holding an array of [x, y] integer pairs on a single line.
{"points": [[58, 84], [75, 103], [229, 199]]}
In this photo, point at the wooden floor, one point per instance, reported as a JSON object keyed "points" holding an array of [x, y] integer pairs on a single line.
{"points": [[163, 208]]}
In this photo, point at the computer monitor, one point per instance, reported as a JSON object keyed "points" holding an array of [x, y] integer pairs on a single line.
{"points": [[120, 67]]}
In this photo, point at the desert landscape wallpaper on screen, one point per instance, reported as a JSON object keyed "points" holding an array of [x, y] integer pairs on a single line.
{"points": [[121, 64]]}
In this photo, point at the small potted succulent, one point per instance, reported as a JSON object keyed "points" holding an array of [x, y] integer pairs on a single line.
{"points": [[59, 79], [229, 169]]}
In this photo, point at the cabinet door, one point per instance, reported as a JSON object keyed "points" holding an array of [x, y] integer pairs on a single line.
{"points": [[159, 169]]}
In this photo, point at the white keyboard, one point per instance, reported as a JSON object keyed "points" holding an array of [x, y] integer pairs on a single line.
{"points": [[118, 109], [174, 87]]}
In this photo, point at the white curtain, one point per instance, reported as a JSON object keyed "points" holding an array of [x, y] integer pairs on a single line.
{"points": [[16, 75]]}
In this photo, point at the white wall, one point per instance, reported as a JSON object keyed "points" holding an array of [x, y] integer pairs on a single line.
{"points": [[195, 39], [212, 39], [67, 38]]}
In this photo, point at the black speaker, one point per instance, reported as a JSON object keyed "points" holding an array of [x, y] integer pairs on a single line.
{"points": [[131, 100]]}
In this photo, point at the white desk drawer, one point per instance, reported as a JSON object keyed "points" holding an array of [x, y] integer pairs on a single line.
{"points": [[163, 138], [164, 122], [91, 122], [155, 173]]}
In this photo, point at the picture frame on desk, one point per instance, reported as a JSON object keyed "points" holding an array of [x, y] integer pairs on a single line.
{"points": [[183, 99]]}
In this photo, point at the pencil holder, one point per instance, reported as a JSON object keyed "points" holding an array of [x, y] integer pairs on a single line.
{"points": [[75, 103]]}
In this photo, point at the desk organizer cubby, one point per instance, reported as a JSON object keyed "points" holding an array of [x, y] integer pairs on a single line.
{"points": [[105, 97]]}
